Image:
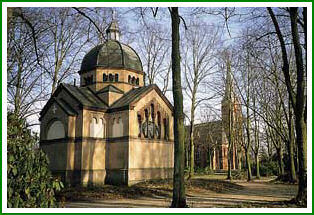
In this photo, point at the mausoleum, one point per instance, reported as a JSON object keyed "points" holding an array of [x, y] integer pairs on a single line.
{"points": [[111, 128]]}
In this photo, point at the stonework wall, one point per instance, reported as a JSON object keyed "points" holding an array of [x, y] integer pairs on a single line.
{"points": [[150, 159], [112, 97], [93, 162], [72, 126], [59, 155], [118, 124], [117, 154], [56, 130], [121, 84], [82, 161]]}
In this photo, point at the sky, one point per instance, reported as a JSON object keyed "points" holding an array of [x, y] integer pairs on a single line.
{"points": [[130, 23]]}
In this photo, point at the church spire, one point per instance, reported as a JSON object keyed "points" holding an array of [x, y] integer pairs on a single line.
{"points": [[113, 32], [229, 82]]}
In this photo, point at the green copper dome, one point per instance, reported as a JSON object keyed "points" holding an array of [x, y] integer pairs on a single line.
{"points": [[112, 54]]}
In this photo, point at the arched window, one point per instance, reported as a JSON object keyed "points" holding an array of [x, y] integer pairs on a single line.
{"points": [[145, 129], [139, 121], [105, 77], [158, 125], [137, 81], [166, 126], [152, 109], [116, 77], [133, 80], [110, 77], [93, 127], [117, 127], [96, 128], [56, 131], [146, 115], [129, 79], [100, 129]]}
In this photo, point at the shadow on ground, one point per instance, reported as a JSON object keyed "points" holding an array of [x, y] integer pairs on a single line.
{"points": [[200, 192], [157, 188]]}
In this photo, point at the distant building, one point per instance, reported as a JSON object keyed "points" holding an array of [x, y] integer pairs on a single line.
{"points": [[211, 138], [112, 128]]}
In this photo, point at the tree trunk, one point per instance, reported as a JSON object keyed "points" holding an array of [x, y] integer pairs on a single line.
{"points": [[293, 177], [239, 159], [248, 165], [292, 174], [191, 172], [187, 164], [258, 176], [247, 151], [230, 122], [55, 75], [298, 100], [210, 164], [305, 48], [229, 176], [299, 109], [301, 143], [178, 198], [296, 152], [248, 129], [17, 96], [280, 162]]}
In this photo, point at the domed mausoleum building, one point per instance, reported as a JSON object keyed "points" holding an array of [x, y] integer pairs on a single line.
{"points": [[112, 128]]}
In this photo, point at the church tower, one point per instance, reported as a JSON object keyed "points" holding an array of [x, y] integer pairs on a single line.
{"points": [[228, 100], [231, 118]]}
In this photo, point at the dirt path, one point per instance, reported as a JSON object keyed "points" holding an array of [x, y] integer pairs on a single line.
{"points": [[253, 194]]}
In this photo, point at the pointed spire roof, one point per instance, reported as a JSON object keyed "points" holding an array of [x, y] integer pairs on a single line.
{"points": [[229, 81]]}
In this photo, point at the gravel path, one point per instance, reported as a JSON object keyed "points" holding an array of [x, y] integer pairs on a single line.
{"points": [[259, 193]]}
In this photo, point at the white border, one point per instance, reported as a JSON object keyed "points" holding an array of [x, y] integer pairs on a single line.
{"points": [[155, 210], [156, 4]]}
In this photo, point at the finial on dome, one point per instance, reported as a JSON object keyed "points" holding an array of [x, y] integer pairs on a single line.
{"points": [[114, 13], [113, 32]]}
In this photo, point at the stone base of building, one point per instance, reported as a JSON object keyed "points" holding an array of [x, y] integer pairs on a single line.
{"points": [[112, 176], [81, 177], [117, 177], [147, 174]]}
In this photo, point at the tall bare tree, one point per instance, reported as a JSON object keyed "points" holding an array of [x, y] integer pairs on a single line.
{"points": [[199, 51], [155, 50], [178, 198], [297, 98], [26, 89], [63, 42]]}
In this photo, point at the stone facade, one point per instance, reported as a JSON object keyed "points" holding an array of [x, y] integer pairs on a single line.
{"points": [[110, 129]]}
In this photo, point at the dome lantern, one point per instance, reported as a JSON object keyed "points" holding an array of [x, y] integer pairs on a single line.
{"points": [[113, 32]]}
